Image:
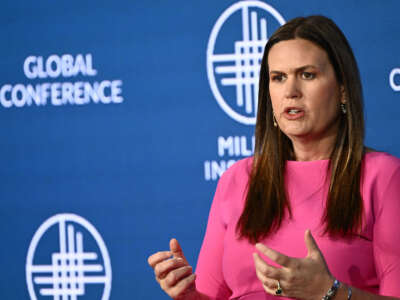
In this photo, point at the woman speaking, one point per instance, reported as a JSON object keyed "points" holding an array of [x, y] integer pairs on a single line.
{"points": [[314, 213]]}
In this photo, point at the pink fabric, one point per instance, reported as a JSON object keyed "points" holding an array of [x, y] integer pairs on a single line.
{"points": [[225, 268]]}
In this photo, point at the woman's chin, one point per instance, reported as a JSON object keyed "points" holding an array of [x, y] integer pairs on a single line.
{"points": [[296, 133]]}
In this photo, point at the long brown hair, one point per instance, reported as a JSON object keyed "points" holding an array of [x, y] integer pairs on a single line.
{"points": [[266, 201]]}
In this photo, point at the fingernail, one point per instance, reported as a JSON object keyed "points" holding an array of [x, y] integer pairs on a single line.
{"points": [[260, 246]]}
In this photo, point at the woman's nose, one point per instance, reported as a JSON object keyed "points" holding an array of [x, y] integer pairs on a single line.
{"points": [[292, 88]]}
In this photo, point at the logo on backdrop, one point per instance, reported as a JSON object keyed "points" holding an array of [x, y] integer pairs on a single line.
{"points": [[230, 149], [394, 79], [67, 259], [234, 55], [44, 87], [233, 60]]}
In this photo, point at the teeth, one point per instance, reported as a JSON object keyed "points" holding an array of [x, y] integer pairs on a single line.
{"points": [[293, 111]]}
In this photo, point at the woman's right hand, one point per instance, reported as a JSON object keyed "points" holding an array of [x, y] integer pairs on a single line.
{"points": [[173, 272]]}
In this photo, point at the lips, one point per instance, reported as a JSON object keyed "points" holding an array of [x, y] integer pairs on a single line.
{"points": [[293, 113]]}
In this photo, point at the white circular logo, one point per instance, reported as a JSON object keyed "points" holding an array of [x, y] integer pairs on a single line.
{"points": [[67, 258], [234, 73]]}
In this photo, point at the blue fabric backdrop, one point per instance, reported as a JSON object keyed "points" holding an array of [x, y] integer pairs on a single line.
{"points": [[107, 112]]}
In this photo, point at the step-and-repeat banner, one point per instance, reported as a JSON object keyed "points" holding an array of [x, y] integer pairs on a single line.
{"points": [[118, 117]]}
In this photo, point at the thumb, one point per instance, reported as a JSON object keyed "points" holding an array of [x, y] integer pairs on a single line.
{"points": [[311, 245], [176, 249]]}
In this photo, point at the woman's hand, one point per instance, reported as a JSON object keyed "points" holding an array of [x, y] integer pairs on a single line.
{"points": [[173, 272], [302, 278]]}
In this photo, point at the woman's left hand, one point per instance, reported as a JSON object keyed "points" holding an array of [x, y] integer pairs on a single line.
{"points": [[302, 278]]}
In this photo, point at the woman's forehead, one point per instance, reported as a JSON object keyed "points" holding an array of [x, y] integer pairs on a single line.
{"points": [[296, 53]]}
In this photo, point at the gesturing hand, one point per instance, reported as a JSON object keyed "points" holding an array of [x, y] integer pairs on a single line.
{"points": [[302, 278], [173, 272]]}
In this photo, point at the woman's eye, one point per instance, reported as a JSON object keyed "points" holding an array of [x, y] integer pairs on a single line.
{"points": [[307, 75], [278, 77]]}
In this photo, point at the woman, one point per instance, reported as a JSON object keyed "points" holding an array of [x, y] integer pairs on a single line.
{"points": [[310, 171]]}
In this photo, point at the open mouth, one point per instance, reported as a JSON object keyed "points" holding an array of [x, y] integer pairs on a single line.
{"points": [[293, 113]]}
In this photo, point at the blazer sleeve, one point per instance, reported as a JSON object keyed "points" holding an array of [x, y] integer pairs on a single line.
{"points": [[209, 274], [386, 236]]}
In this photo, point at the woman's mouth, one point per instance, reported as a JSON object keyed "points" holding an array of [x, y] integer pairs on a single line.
{"points": [[293, 113]]}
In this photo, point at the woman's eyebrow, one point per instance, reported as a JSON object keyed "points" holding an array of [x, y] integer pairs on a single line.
{"points": [[302, 68]]}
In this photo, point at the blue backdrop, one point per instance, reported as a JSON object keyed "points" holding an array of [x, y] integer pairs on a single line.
{"points": [[108, 112]]}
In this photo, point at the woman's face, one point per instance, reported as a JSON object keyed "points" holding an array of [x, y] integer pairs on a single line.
{"points": [[304, 91]]}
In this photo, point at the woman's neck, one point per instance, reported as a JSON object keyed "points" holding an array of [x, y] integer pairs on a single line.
{"points": [[313, 149]]}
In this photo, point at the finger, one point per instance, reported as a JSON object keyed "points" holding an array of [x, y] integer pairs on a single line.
{"points": [[261, 267], [265, 269], [182, 286], [174, 276], [275, 256], [163, 268], [176, 249], [268, 283], [271, 291], [158, 257], [271, 287]]}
